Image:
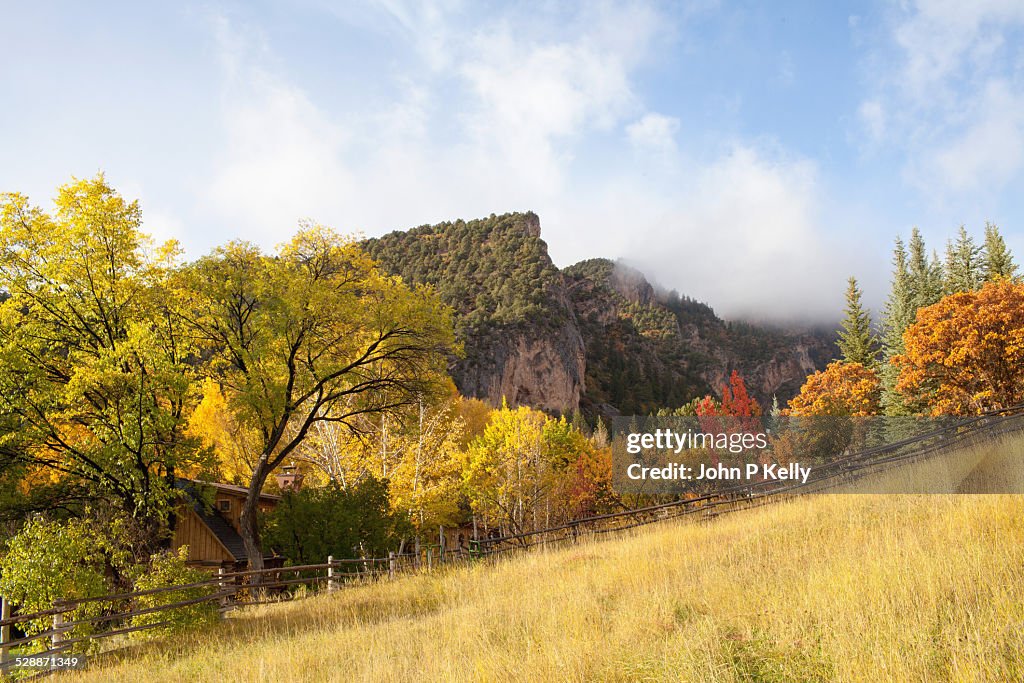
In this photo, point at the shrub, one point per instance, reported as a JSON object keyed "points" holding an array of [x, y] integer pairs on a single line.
{"points": [[169, 569], [355, 522], [49, 561]]}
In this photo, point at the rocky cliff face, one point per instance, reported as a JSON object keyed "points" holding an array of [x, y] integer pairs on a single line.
{"points": [[538, 365], [543, 371], [596, 336], [648, 349], [779, 376]]}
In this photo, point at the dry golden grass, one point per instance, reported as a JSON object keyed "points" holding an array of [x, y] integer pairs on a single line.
{"points": [[828, 587]]}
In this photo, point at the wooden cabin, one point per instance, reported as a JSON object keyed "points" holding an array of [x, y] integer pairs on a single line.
{"points": [[211, 531], [459, 539]]}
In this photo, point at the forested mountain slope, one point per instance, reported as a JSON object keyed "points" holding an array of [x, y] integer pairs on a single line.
{"points": [[596, 336]]}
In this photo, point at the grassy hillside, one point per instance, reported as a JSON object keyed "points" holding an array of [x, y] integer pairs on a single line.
{"points": [[837, 587]]}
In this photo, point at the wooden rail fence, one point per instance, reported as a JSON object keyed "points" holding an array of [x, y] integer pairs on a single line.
{"points": [[837, 472], [228, 590], [231, 590]]}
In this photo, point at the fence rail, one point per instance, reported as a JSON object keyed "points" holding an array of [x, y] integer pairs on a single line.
{"points": [[231, 590], [228, 590]]}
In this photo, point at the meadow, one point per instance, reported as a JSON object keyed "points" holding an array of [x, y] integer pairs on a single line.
{"points": [[851, 587]]}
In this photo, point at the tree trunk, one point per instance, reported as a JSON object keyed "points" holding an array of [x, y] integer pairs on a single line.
{"points": [[249, 523]]}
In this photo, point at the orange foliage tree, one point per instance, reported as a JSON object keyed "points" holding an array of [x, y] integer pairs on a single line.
{"points": [[839, 389], [737, 412], [965, 354], [736, 401]]}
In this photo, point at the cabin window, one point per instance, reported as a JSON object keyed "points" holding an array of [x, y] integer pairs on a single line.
{"points": [[224, 505]]}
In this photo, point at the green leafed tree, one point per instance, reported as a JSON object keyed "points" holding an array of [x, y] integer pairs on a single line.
{"points": [[997, 259], [163, 570], [314, 333], [94, 371], [356, 522], [857, 342], [49, 561]]}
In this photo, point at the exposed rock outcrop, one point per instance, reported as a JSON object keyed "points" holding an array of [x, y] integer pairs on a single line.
{"points": [[543, 371]]}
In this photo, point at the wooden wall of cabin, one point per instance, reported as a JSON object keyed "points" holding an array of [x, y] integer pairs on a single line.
{"points": [[229, 505], [203, 546]]}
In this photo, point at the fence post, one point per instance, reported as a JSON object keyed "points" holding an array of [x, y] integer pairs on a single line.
{"points": [[58, 629], [440, 537], [430, 558], [330, 574], [391, 564], [221, 587], [5, 631]]}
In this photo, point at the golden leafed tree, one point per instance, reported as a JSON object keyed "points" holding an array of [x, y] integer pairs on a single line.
{"points": [[505, 473], [234, 443], [839, 389], [965, 354], [94, 372], [312, 334]]}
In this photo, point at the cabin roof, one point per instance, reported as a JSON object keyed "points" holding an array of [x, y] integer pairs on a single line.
{"points": [[236, 490], [220, 528]]}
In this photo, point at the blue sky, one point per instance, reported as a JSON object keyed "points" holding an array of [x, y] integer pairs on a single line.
{"points": [[752, 155]]}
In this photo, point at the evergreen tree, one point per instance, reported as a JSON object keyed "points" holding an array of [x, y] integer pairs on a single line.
{"points": [[934, 285], [856, 342], [997, 261], [578, 422], [964, 264], [925, 277], [899, 313]]}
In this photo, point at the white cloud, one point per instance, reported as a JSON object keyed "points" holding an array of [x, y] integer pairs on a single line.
{"points": [[425, 22], [941, 39], [534, 97], [946, 95], [654, 133], [497, 125], [282, 163], [745, 236], [283, 158], [989, 151], [523, 101]]}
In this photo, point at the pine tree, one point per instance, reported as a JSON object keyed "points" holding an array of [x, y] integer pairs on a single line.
{"points": [[579, 423], [899, 313], [925, 277], [934, 285], [997, 259], [856, 342], [964, 265]]}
